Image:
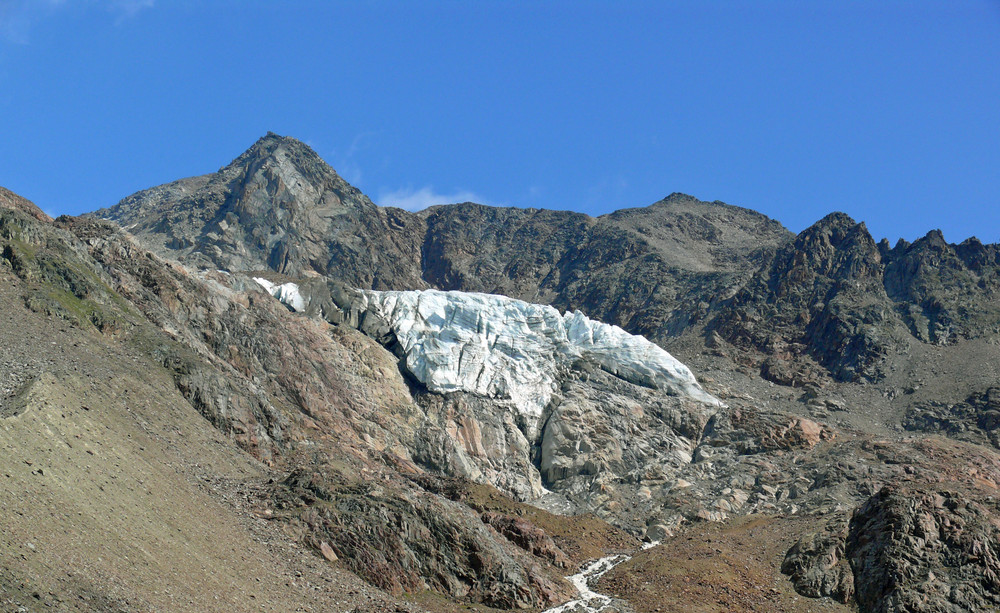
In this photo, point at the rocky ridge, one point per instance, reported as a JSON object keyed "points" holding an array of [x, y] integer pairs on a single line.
{"points": [[280, 198], [10, 200], [280, 207], [830, 303]]}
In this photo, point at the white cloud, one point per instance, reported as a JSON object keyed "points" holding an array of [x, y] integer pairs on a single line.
{"points": [[346, 162], [418, 199], [18, 16], [126, 9]]}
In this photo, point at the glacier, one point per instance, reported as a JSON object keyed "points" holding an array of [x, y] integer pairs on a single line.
{"points": [[286, 293], [506, 348]]}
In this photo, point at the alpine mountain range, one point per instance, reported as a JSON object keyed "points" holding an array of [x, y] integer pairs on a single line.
{"points": [[256, 390]]}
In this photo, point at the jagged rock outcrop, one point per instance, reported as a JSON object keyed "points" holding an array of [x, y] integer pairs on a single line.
{"points": [[835, 298], [977, 419], [654, 271], [409, 540], [476, 438], [924, 541], [822, 301], [527, 536], [748, 430], [925, 550], [172, 300], [818, 566], [945, 292], [61, 280]]}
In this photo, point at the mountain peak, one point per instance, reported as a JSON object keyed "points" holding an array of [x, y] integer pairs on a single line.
{"points": [[277, 206], [678, 197], [836, 219], [934, 238], [278, 139], [834, 229], [271, 144]]}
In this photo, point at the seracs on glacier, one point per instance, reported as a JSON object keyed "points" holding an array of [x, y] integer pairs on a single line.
{"points": [[287, 293], [505, 348]]}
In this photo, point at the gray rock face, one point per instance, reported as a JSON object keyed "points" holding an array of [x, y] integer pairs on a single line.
{"points": [[818, 566], [912, 546], [925, 551], [654, 271], [10, 200], [414, 540], [977, 419], [280, 207], [944, 292], [478, 439], [822, 300]]}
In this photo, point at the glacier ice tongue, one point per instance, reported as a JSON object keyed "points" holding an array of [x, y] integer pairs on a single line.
{"points": [[505, 348], [478, 343]]}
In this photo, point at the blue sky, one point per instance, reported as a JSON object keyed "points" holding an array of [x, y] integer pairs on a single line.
{"points": [[885, 110]]}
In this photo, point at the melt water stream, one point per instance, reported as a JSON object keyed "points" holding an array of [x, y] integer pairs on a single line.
{"points": [[590, 601]]}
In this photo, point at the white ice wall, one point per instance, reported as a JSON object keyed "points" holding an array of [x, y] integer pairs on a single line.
{"points": [[505, 348]]}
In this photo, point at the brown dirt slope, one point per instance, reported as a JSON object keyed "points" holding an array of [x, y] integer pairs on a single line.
{"points": [[118, 496], [713, 567]]}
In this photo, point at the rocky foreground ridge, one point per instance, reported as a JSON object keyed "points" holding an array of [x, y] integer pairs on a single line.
{"points": [[824, 441]]}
